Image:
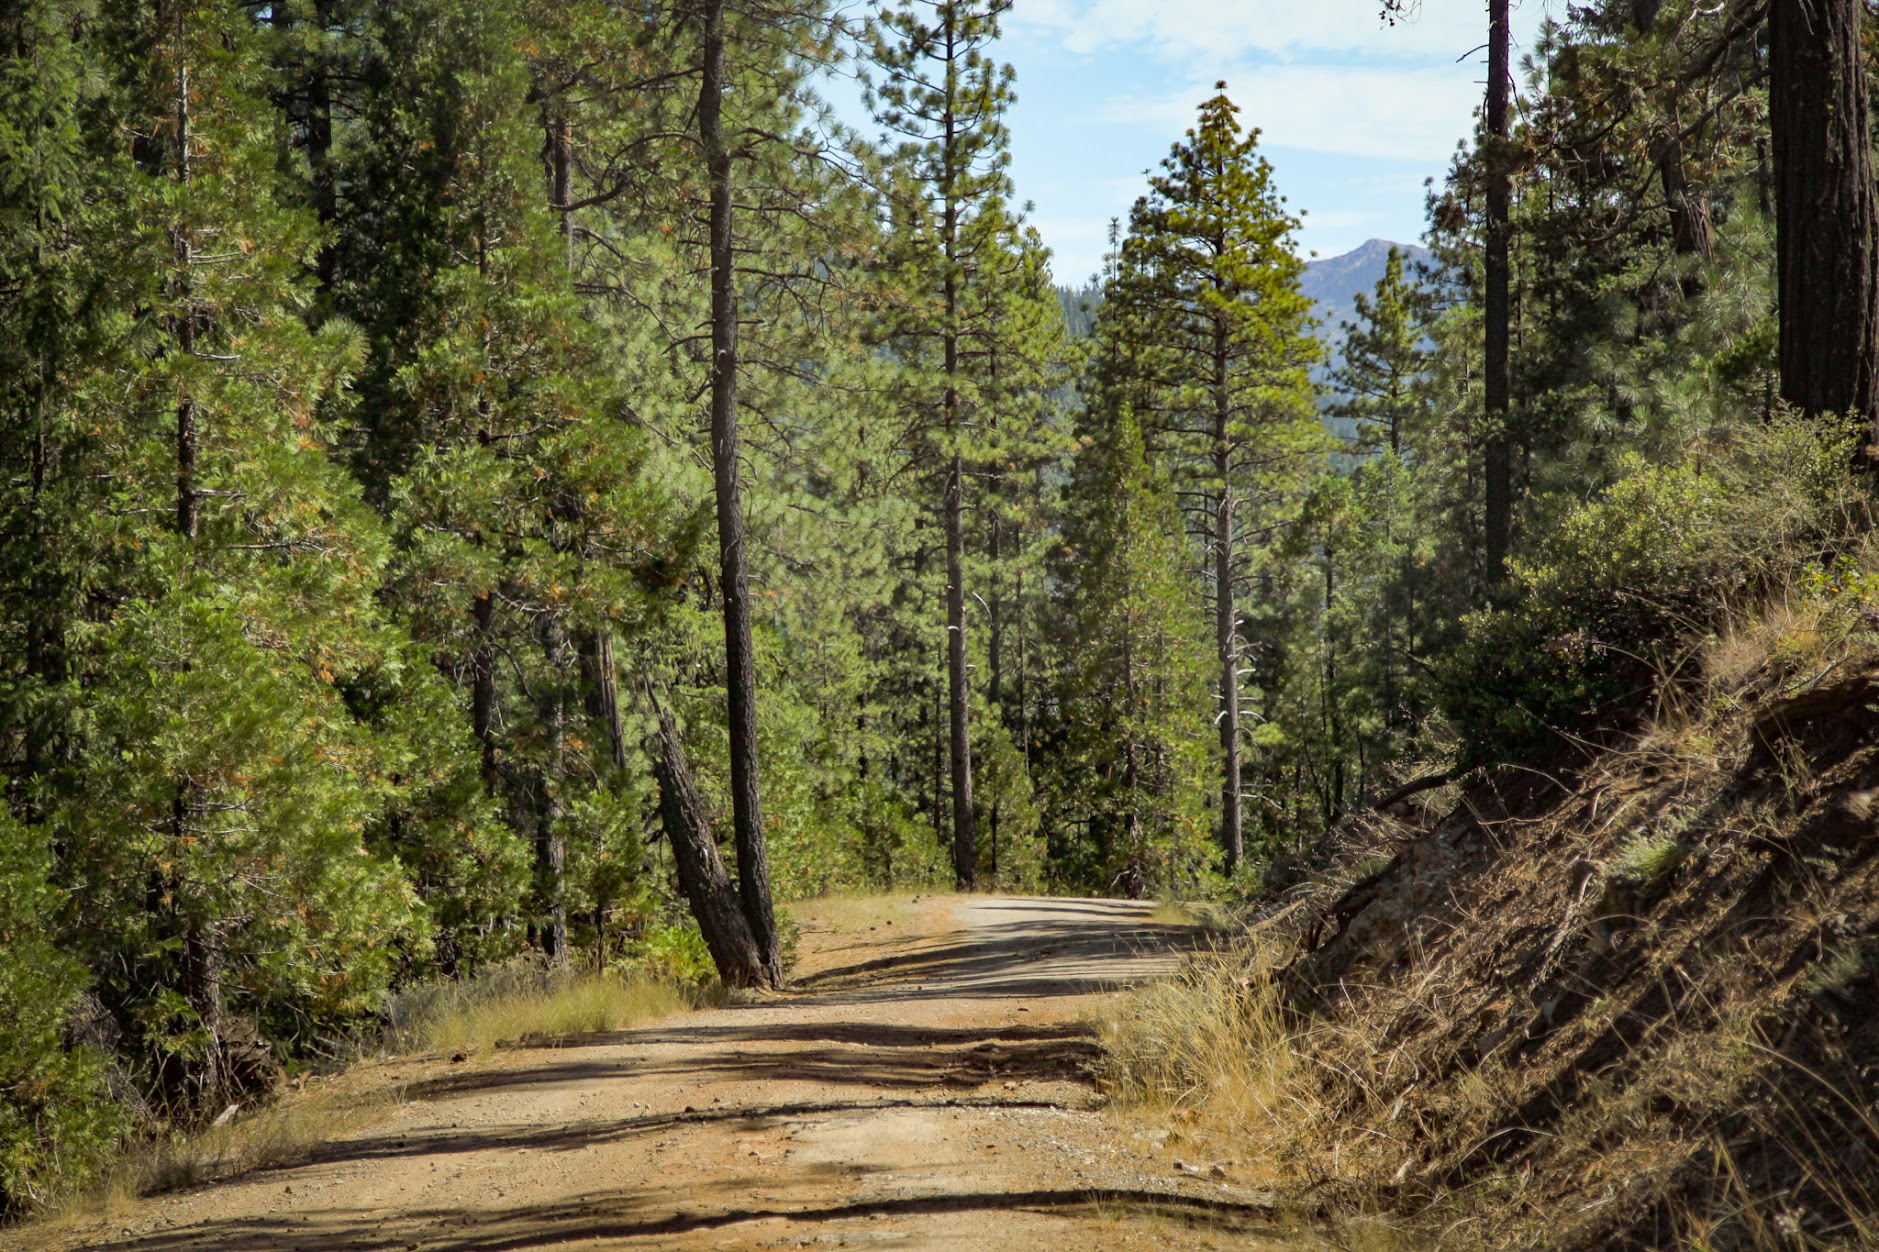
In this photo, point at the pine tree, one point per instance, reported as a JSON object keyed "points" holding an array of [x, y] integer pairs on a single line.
{"points": [[488, 428], [1383, 360], [232, 577], [1130, 773], [943, 98], [1205, 334]]}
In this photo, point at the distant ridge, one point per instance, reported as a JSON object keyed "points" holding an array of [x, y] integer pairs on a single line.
{"points": [[1334, 283], [1331, 283]]}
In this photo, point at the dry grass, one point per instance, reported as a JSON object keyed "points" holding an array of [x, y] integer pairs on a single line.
{"points": [[1687, 910], [1191, 915], [523, 1003], [849, 914], [284, 1134], [1210, 1048]]}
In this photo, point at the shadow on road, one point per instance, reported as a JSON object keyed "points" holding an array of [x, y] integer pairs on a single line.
{"points": [[1020, 949], [628, 1215], [1005, 949]]}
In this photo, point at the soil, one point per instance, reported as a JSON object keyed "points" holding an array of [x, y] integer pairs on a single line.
{"points": [[926, 1083]]}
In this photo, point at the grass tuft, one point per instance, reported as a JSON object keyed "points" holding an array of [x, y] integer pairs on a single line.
{"points": [[1211, 1044], [523, 1002], [1647, 860]]}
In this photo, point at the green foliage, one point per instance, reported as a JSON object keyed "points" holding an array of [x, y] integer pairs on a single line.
{"points": [[1383, 364], [237, 783], [1205, 338], [1130, 779], [1592, 611], [1602, 607], [57, 1124], [673, 953], [1648, 859], [354, 490]]}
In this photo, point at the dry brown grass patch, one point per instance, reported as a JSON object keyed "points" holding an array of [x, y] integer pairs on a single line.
{"points": [[844, 914]]}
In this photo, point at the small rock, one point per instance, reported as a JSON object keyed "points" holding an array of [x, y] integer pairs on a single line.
{"points": [[458, 1058]]}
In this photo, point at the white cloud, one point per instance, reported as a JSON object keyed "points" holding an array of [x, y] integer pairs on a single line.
{"points": [[1377, 112], [1180, 29]]}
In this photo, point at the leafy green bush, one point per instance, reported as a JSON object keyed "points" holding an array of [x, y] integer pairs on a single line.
{"points": [[1598, 611], [675, 953], [1588, 611], [57, 1124]]}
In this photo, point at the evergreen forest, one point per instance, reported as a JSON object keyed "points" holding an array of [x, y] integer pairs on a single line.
{"points": [[486, 482]]}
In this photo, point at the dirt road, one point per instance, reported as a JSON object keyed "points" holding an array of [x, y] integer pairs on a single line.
{"points": [[924, 1085]]}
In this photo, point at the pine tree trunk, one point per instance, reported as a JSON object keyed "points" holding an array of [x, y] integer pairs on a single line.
{"points": [[1691, 233], [188, 500], [740, 670], [1826, 220], [1226, 615], [959, 700], [701, 872], [483, 685], [1497, 452], [601, 673], [46, 739], [320, 151], [561, 178], [551, 851], [958, 697]]}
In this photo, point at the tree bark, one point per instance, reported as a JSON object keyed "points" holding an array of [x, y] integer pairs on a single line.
{"points": [[561, 180], [320, 150], [959, 699], [602, 675], [740, 671], [551, 850], [1826, 218], [188, 497], [1691, 230], [483, 685], [1497, 452], [701, 871], [958, 696], [1226, 615]]}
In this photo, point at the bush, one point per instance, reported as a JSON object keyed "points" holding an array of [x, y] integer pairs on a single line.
{"points": [[57, 1125], [1609, 596], [1589, 612]]}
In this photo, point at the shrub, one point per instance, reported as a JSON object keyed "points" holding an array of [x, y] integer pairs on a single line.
{"points": [[1611, 593], [57, 1125], [1589, 611]]}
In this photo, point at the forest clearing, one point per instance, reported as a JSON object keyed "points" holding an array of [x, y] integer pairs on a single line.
{"points": [[701, 593]]}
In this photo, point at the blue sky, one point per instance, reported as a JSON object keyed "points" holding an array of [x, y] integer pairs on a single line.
{"points": [[1355, 115]]}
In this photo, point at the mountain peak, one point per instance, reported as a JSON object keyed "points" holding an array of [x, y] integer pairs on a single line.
{"points": [[1334, 283]]}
